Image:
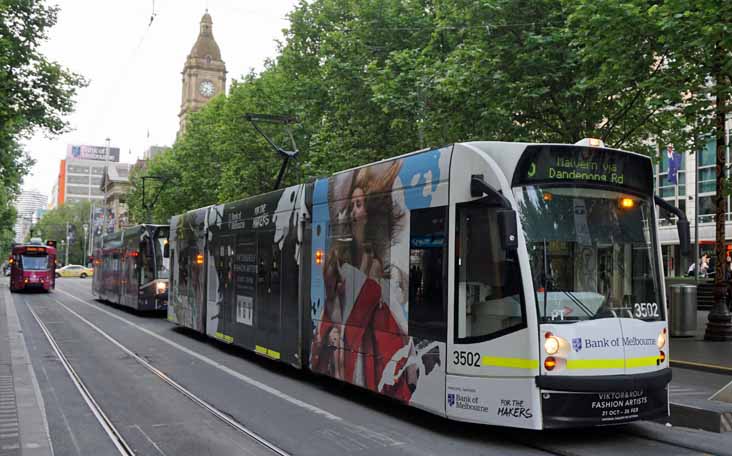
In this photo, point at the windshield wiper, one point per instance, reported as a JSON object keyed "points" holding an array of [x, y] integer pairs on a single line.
{"points": [[579, 303]]}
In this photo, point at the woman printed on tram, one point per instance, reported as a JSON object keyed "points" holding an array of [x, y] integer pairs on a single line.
{"points": [[373, 350], [377, 347]]}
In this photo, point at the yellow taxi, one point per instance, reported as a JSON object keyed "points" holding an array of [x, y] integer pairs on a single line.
{"points": [[74, 270]]}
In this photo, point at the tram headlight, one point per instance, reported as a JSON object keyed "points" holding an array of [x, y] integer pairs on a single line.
{"points": [[661, 341], [551, 345]]}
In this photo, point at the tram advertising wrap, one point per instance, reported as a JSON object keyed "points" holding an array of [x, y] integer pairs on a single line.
{"points": [[499, 283]]}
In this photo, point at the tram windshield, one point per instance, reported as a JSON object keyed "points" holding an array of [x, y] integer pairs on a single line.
{"points": [[592, 253], [35, 263], [163, 263]]}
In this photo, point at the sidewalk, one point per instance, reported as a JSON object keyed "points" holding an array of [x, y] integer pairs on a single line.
{"points": [[23, 427], [697, 353]]}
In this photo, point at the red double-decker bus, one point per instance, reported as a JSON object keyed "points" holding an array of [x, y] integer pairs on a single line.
{"points": [[32, 267]]}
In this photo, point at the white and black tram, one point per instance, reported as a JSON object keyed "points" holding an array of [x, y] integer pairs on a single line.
{"points": [[501, 283], [131, 267]]}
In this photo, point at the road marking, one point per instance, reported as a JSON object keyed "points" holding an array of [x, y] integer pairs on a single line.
{"points": [[198, 401], [148, 439], [210, 362]]}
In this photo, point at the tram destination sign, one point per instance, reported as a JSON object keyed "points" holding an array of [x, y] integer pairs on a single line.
{"points": [[554, 164]]}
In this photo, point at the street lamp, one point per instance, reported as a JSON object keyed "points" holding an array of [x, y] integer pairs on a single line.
{"points": [[86, 230], [63, 246], [106, 183]]}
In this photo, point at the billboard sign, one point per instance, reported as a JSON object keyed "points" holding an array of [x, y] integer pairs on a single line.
{"points": [[84, 152]]}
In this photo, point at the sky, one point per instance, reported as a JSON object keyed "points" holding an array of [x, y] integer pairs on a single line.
{"points": [[134, 68]]}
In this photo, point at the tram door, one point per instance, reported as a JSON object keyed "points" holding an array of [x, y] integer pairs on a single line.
{"points": [[268, 304], [492, 355]]}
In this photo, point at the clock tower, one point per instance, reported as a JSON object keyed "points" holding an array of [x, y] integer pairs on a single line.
{"points": [[204, 73]]}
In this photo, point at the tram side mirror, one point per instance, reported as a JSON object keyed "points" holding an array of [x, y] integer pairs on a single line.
{"points": [[479, 187], [166, 249], [508, 229]]}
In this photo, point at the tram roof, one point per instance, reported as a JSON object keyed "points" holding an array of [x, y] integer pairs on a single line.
{"points": [[505, 153]]}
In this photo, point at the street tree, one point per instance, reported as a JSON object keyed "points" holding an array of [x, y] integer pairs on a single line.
{"points": [[35, 93], [53, 226], [685, 47]]}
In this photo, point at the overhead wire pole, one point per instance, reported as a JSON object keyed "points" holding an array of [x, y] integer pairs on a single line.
{"points": [[148, 207], [285, 154], [106, 185]]}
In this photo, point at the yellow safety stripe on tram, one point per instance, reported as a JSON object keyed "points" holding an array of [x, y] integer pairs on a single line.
{"points": [[641, 362], [617, 363], [223, 337], [267, 352], [513, 363]]}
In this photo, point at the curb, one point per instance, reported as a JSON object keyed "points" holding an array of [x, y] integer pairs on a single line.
{"points": [[35, 439], [710, 416], [713, 368]]}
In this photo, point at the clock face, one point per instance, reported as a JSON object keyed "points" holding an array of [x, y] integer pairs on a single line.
{"points": [[206, 88]]}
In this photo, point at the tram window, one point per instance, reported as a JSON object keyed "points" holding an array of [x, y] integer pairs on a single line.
{"points": [[488, 281], [427, 274]]}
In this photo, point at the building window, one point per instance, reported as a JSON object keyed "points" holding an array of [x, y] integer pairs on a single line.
{"points": [[77, 190], [707, 176], [72, 179], [673, 193], [78, 169]]}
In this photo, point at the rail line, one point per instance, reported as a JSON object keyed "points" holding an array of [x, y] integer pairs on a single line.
{"points": [[548, 447], [114, 434]]}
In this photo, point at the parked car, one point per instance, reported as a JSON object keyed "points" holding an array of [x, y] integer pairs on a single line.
{"points": [[74, 270]]}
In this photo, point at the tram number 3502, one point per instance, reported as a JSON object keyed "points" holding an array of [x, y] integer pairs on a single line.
{"points": [[463, 358], [645, 310]]}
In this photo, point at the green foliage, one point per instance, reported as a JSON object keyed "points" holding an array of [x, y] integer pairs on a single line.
{"points": [[35, 93], [53, 227], [372, 79]]}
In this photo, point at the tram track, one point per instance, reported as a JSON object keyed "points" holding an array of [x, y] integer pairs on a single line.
{"points": [[624, 440], [109, 428]]}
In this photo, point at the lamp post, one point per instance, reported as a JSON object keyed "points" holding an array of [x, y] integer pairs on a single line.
{"points": [[86, 230], [106, 184], [63, 246]]}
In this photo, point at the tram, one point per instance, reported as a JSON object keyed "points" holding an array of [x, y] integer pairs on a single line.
{"points": [[131, 268], [500, 283], [32, 267]]}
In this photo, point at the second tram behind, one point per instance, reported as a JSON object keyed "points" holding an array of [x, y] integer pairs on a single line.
{"points": [[32, 267], [130, 268], [500, 283]]}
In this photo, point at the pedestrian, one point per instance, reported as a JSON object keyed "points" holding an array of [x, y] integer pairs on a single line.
{"points": [[703, 265]]}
